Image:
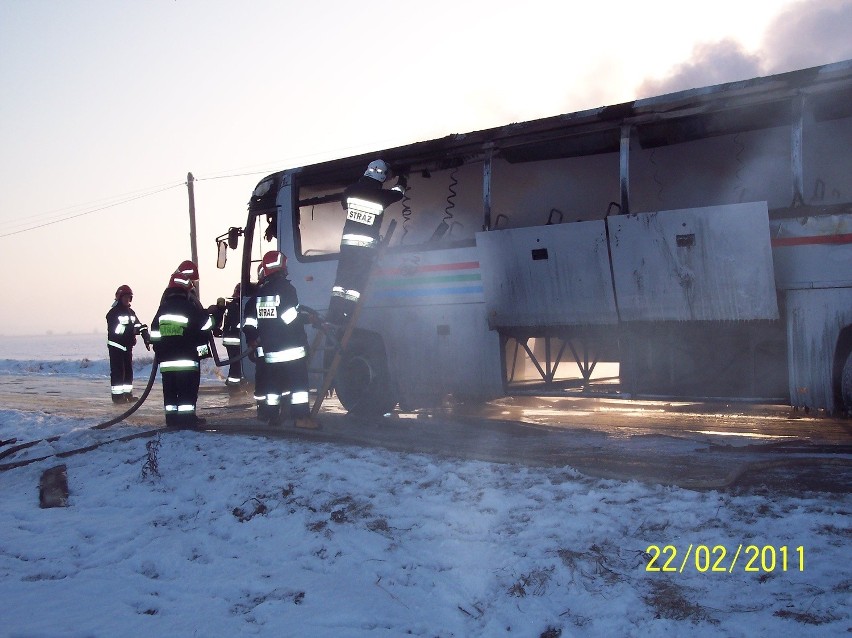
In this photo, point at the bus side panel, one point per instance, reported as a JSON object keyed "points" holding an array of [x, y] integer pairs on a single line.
{"points": [[439, 350], [700, 264], [813, 252], [555, 275], [814, 321], [429, 308]]}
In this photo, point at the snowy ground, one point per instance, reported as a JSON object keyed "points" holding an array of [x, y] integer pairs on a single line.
{"points": [[192, 534]]}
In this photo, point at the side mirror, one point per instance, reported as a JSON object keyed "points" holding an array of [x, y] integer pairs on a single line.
{"points": [[222, 257], [234, 237]]}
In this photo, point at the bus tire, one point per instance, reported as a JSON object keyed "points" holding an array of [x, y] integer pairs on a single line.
{"points": [[363, 382], [846, 386]]}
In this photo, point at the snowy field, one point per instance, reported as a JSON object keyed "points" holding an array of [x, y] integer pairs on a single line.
{"points": [[192, 534]]}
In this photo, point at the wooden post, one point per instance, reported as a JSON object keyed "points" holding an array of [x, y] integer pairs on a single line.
{"points": [[192, 241]]}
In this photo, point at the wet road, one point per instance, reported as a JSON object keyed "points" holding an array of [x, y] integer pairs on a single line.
{"points": [[694, 445]]}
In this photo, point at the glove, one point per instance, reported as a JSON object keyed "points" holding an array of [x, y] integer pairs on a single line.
{"points": [[203, 351], [401, 184], [217, 332], [146, 339]]}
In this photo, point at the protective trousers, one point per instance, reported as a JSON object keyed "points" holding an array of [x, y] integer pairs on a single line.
{"points": [[271, 393], [235, 371], [353, 272], [120, 372], [180, 395]]}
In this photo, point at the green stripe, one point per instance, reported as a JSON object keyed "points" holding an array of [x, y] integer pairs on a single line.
{"points": [[416, 281]]}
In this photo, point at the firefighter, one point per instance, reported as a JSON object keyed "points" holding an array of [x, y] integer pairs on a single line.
{"points": [[122, 328], [217, 313], [189, 270], [364, 202], [180, 333], [260, 365], [274, 323], [231, 337]]}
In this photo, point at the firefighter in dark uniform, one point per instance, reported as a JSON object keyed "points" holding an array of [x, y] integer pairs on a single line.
{"points": [[364, 202], [122, 328], [257, 354], [274, 324], [189, 270], [180, 333], [231, 338], [217, 312]]}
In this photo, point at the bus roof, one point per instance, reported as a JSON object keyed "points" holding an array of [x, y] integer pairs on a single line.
{"points": [[757, 103]]}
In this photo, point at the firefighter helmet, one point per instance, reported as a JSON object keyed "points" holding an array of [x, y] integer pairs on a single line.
{"points": [[188, 268], [273, 261], [180, 280], [123, 290], [378, 170]]}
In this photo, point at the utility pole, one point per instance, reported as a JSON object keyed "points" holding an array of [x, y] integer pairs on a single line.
{"points": [[193, 246]]}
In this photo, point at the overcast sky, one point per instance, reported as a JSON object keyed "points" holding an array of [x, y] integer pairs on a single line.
{"points": [[107, 105]]}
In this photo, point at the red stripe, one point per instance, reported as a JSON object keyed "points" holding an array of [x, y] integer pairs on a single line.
{"points": [[813, 239], [463, 265]]}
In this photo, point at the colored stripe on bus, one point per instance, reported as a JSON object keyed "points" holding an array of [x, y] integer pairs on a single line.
{"points": [[433, 280], [429, 292], [812, 240], [462, 265]]}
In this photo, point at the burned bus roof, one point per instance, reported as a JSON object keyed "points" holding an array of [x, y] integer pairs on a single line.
{"points": [[734, 107]]}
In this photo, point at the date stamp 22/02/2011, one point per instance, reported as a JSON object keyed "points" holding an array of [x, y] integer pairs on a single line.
{"points": [[718, 558]]}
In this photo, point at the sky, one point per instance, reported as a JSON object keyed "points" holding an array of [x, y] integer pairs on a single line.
{"points": [[204, 534], [107, 106]]}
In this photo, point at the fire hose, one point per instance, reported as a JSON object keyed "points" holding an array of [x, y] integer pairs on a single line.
{"points": [[118, 419]]}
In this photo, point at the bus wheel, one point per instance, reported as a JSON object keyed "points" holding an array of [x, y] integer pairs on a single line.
{"points": [[846, 385], [363, 383]]}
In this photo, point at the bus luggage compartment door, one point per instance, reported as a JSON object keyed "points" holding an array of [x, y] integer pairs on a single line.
{"points": [[698, 264], [545, 276]]}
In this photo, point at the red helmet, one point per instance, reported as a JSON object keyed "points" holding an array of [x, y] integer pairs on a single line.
{"points": [[180, 280], [123, 290], [188, 268], [273, 261]]}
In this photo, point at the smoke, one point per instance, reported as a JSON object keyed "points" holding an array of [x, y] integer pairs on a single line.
{"points": [[808, 33]]}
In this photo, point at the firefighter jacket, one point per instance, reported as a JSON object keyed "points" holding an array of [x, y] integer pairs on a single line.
{"points": [[231, 323], [123, 326], [217, 313], [180, 331], [365, 201], [273, 319]]}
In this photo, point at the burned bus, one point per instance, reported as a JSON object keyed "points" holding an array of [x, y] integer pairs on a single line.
{"points": [[692, 245]]}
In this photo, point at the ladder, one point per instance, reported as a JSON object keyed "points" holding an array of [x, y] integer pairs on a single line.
{"points": [[321, 345], [339, 348]]}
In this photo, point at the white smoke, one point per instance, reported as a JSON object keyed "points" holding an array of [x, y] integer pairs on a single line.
{"points": [[808, 33]]}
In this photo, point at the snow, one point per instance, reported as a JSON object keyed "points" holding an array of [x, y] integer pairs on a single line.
{"points": [[202, 534]]}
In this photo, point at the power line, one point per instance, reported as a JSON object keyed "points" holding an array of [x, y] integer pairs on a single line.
{"points": [[93, 210], [286, 162]]}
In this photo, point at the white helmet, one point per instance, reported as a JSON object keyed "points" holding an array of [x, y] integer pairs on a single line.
{"points": [[378, 170]]}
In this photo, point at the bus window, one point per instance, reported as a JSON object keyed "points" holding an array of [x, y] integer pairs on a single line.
{"points": [[440, 207], [321, 219]]}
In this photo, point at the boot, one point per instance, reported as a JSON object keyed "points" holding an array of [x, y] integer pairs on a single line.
{"points": [[307, 423], [118, 398]]}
